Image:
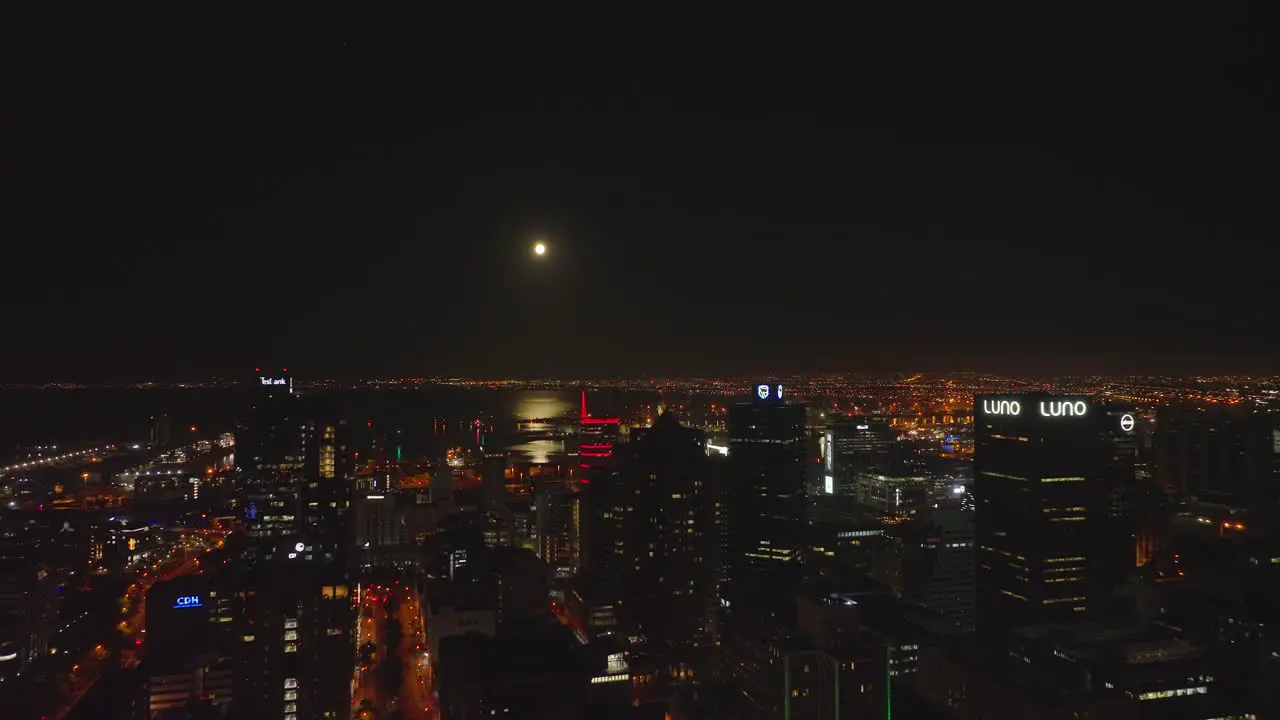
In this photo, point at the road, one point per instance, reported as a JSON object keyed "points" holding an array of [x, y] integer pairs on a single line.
{"points": [[369, 619], [73, 456], [414, 698], [184, 561]]}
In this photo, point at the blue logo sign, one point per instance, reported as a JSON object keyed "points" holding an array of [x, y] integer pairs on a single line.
{"points": [[187, 601], [251, 512], [765, 391]]}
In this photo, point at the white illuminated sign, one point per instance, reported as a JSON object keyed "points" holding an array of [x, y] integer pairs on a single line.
{"points": [[273, 381], [779, 392], [300, 547], [762, 391], [1126, 422], [1047, 408], [1002, 407], [830, 485], [1063, 408]]}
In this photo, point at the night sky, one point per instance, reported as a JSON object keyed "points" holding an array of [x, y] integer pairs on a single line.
{"points": [[722, 192]]}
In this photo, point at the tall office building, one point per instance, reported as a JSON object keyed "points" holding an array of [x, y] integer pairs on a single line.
{"points": [[856, 447], [378, 524], [558, 522], [298, 636], [664, 474], [1228, 451], [928, 562], [27, 615], [294, 468], [767, 455], [1041, 465], [192, 639]]}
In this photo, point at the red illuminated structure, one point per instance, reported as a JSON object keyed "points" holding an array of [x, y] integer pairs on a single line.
{"points": [[595, 438]]}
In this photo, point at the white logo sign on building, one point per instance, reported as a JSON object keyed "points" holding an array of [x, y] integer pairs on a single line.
{"points": [[1063, 408], [1002, 407]]}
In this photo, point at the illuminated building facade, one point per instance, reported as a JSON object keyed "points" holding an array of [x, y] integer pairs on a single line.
{"points": [[596, 438], [928, 562], [855, 447], [663, 580], [558, 518], [297, 637], [767, 455], [27, 616], [190, 615], [1041, 467], [377, 524], [294, 466]]}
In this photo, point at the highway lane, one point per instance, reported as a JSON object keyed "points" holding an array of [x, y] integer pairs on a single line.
{"points": [[416, 702], [370, 616], [67, 457], [413, 701]]}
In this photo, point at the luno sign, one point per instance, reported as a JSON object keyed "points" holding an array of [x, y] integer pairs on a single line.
{"points": [[1063, 408], [1047, 408], [1002, 407]]}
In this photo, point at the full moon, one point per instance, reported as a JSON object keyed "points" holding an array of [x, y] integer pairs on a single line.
{"points": [[540, 249]]}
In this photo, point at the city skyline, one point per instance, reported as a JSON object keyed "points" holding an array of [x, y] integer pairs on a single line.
{"points": [[690, 362], [783, 191]]}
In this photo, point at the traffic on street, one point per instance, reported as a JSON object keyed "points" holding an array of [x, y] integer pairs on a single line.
{"points": [[392, 667]]}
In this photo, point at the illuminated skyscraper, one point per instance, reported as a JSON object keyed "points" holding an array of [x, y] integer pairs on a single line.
{"points": [[767, 518], [664, 477], [1041, 467], [854, 448], [596, 437], [294, 467], [298, 636]]}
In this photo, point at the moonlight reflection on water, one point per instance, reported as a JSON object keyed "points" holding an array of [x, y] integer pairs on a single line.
{"points": [[541, 405]]}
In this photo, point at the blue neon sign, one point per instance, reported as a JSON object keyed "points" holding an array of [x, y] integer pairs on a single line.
{"points": [[187, 601]]}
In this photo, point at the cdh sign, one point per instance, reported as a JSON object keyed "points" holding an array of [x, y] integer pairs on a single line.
{"points": [[188, 601]]}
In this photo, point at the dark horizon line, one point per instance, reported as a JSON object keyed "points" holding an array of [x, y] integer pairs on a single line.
{"points": [[744, 376]]}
